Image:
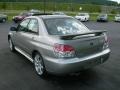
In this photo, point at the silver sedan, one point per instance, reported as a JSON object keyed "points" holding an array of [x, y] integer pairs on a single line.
{"points": [[59, 44]]}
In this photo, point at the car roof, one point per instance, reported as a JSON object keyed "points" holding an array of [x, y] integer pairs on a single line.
{"points": [[83, 13], [54, 16], [51, 16]]}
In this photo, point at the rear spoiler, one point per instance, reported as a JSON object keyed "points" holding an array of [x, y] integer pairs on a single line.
{"points": [[96, 32]]}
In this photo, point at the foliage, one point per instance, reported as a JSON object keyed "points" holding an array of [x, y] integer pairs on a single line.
{"points": [[52, 6], [4, 6], [98, 2]]}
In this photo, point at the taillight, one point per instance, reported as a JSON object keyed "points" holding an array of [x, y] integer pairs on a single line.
{"points": [[64, 51], [106, 42]]}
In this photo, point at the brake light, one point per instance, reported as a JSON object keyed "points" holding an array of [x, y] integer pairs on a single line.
{"points": [[63, 51]]}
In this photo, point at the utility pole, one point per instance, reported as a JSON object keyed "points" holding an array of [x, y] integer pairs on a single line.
{"points": [[44, 6], [54, 5], [71, 5]]}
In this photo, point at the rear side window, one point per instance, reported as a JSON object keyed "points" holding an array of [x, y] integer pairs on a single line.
{"points": [[33, 26], [64, 26], [23, 25]]}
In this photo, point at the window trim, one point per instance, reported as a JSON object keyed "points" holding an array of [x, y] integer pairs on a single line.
{"points": [[24, 27], [36, 33]]}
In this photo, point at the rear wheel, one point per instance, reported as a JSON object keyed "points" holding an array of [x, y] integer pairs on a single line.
{"points": [[39, 65]]}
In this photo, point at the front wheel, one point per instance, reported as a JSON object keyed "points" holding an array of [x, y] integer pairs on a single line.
{"points": [[39, 65], [11, 46], [3, 20]]}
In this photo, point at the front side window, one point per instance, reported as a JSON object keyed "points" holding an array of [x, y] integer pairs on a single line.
{"points": [[23, 25], [33, 26], [64, 26]]}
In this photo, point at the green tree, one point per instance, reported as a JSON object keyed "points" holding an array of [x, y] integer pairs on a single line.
{"points": [[4, 6]]}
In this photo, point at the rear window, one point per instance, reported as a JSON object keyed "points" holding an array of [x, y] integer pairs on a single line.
{"points": [[64, 26], [103, 15]]}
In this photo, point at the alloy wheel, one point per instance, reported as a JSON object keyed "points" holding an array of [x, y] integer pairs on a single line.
{"points": [[38, 63]]}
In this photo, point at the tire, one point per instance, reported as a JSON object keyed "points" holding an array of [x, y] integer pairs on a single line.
{"points": [[106, 20], [39, 65], [11, 46], [3, 20], [15, 21]]}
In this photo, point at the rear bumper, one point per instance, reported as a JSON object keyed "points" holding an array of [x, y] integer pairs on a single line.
{"points": [[83, 19], [64, 66], [102, 20], [117, 20]]}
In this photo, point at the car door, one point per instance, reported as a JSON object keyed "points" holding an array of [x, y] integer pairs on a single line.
{"points": [[18, 35], [29, 37]]}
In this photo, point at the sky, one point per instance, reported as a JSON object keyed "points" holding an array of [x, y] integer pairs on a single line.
{"points": [[116, 1]]}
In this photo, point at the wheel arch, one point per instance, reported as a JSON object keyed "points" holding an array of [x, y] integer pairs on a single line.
{"points": [[34, 52], [9, 37]]}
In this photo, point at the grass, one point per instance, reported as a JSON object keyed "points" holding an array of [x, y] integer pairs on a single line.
{"points": [[10, 16], [50, 6], [111, 17]]}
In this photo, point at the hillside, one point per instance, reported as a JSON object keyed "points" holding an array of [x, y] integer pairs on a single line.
{"points": [[98, 2]]}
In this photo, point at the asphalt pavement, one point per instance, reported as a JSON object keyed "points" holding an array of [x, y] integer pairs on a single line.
{"points": [[17, 73]]}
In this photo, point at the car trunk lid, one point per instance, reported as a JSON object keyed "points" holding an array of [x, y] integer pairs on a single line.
{"points": [[85, 44]]}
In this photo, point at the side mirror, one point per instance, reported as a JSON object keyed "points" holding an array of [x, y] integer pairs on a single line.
{"points": [[13, 29]]}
